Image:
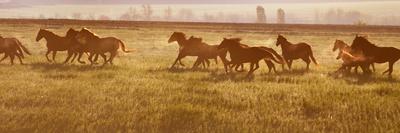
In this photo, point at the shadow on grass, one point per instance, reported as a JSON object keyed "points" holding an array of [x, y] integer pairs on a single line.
{"points": [[361, 79], [68, 67], [181, 70]]}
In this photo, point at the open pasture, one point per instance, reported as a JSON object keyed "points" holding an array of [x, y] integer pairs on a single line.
{"points": [[141, 94]]}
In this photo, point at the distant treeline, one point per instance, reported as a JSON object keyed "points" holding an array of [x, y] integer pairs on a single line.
{"points": [[330, 16]]}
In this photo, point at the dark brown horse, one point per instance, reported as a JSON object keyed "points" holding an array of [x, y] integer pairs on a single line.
{"points": [[97, 45], [12, 47], [77, 49], [251, 55], [54, 42], [292, 51], [376, 54], [187, 47], [269, 63]]}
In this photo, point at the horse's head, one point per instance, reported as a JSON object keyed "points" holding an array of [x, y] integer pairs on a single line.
{"points": [[280, 40], [71, 33], [360, 43], [337, 45], [40, 35], [226, 43], [176, 36]]}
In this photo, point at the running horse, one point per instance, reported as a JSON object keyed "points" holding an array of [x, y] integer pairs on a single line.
{"points": [[54, 43], [292, 51], [349, 56], [376, 54]]}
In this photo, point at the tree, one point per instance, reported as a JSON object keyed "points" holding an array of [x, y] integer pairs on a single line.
{"points": [[41, 16], [131, 14], [147, 11], [208, 17], [104, 17], [280, 16], [168, 13], [76, 15], [186, 14], [91, 17], [261, 17]]}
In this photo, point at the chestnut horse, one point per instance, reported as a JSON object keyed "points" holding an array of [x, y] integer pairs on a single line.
{"points": [[54, 42], [292, 51], [348, 55], [12, 47], [376, 54], [251, 55], [187, 47], [77, 49], [269, 63], [97, 45]]}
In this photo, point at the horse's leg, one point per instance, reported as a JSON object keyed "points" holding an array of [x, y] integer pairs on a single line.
{"points": [[70, 53], [47, 55], [90, 58], [74, 57], [308, 61], [5, 56], [180, 63], [112, 56], [251, 69], [208, 63], [390, 70], [104, 57], [198, 61], [289, 64], [54, 56], [19, 58], [80, 57], [180, 56], [373, 66], [12, 59], [270, 65], [356, 69]]}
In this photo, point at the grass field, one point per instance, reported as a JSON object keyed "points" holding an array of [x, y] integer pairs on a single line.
{"points": [[140, 94]]}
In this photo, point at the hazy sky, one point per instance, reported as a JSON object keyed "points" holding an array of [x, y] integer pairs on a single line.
{"points": [[165, 1]]}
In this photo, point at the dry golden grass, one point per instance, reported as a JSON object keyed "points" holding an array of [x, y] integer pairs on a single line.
{"points": [[140, 94]]}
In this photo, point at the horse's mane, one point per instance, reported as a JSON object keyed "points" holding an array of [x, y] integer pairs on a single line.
{"points": [[235, 39], [365, 41], [49, 32], [281, 36], [196, 40], [85, 30]]}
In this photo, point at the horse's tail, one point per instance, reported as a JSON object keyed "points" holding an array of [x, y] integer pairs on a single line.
{"points": [[272, 57], [312, 56], [280, 58], [25, 49], [123, 47]]}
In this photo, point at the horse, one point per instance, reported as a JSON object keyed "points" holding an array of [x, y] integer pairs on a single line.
{"points": [[251, 55], [97, 45], [348, 55], [376, 54], [12, 47], [269, 63], [77, 49], [185, 47], [54, 42], [205, 52], [292, 52]]}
